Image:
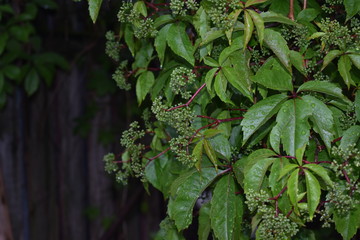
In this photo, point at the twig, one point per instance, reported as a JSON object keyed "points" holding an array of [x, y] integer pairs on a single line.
{"points": [[190, 100]]}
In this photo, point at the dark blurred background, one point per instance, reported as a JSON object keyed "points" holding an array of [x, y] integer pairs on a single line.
{"points": [[58, 119]]}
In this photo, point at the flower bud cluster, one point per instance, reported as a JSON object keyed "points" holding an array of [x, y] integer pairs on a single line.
{"points": [[276, 226], [180, 81], [119, 77], [340, 200], [143, 26], [330, 5], [112, 46], [346, 160], [180, 119], [257, 57], [338, 36], [349, 118], [180, 7], [296, 34]]}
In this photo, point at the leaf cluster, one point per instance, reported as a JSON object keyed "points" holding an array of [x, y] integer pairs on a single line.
{"points": [[254, 105]]}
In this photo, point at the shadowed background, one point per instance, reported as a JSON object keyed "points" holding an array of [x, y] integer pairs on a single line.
{"points": [[52, 179]]}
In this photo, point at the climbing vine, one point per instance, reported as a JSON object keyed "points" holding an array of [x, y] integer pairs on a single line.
{"points": [[254, 104]]}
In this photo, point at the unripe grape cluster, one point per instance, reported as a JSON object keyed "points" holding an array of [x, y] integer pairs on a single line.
{"points": [[180, 81], [180, 7]]}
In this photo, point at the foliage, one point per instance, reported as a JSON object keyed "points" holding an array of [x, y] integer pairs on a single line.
{"points": [[23, 61], [254, 103]]}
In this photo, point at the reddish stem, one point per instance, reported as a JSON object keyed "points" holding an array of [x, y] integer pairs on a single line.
{"points": [[279, 194], [163, 152], [308, 162], [190, 100]]}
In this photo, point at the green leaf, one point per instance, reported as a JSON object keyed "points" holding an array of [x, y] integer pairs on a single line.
{"points": [[355, 58], [293, 188], [162, 172], [168, 231], [249, 28], [357, 105], [209, 78], [144, 85], [237, 80], [288, 168], [297, 60], [299, 154], [11, 71], [313, 192], [270, 16], [316, 35], [180, 43], [180, 207], [330, 56], [201, 23], [222, 146], [163, 19], [348, 225], [279, 46], [352, 7], [233, 16], [259, 24], [94, 8], [32, 82], [274, 76], [3, 40], [204, 222], [140, 7], [274, 183], [307, 15], [197, 154], [223, 212], [344, 66], [255, 176], [160, 42], [256, 156], [253, 2], [322, 119], [209, 150], [260, 113], [220, 86], [211, 35], [211, 62], [321, 172], [322, 87], [350, 137], [292, 126], [129, 38]]}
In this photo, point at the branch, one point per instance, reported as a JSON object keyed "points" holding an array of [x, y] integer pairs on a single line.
{"points": [[190, 100], [291, 10]]}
